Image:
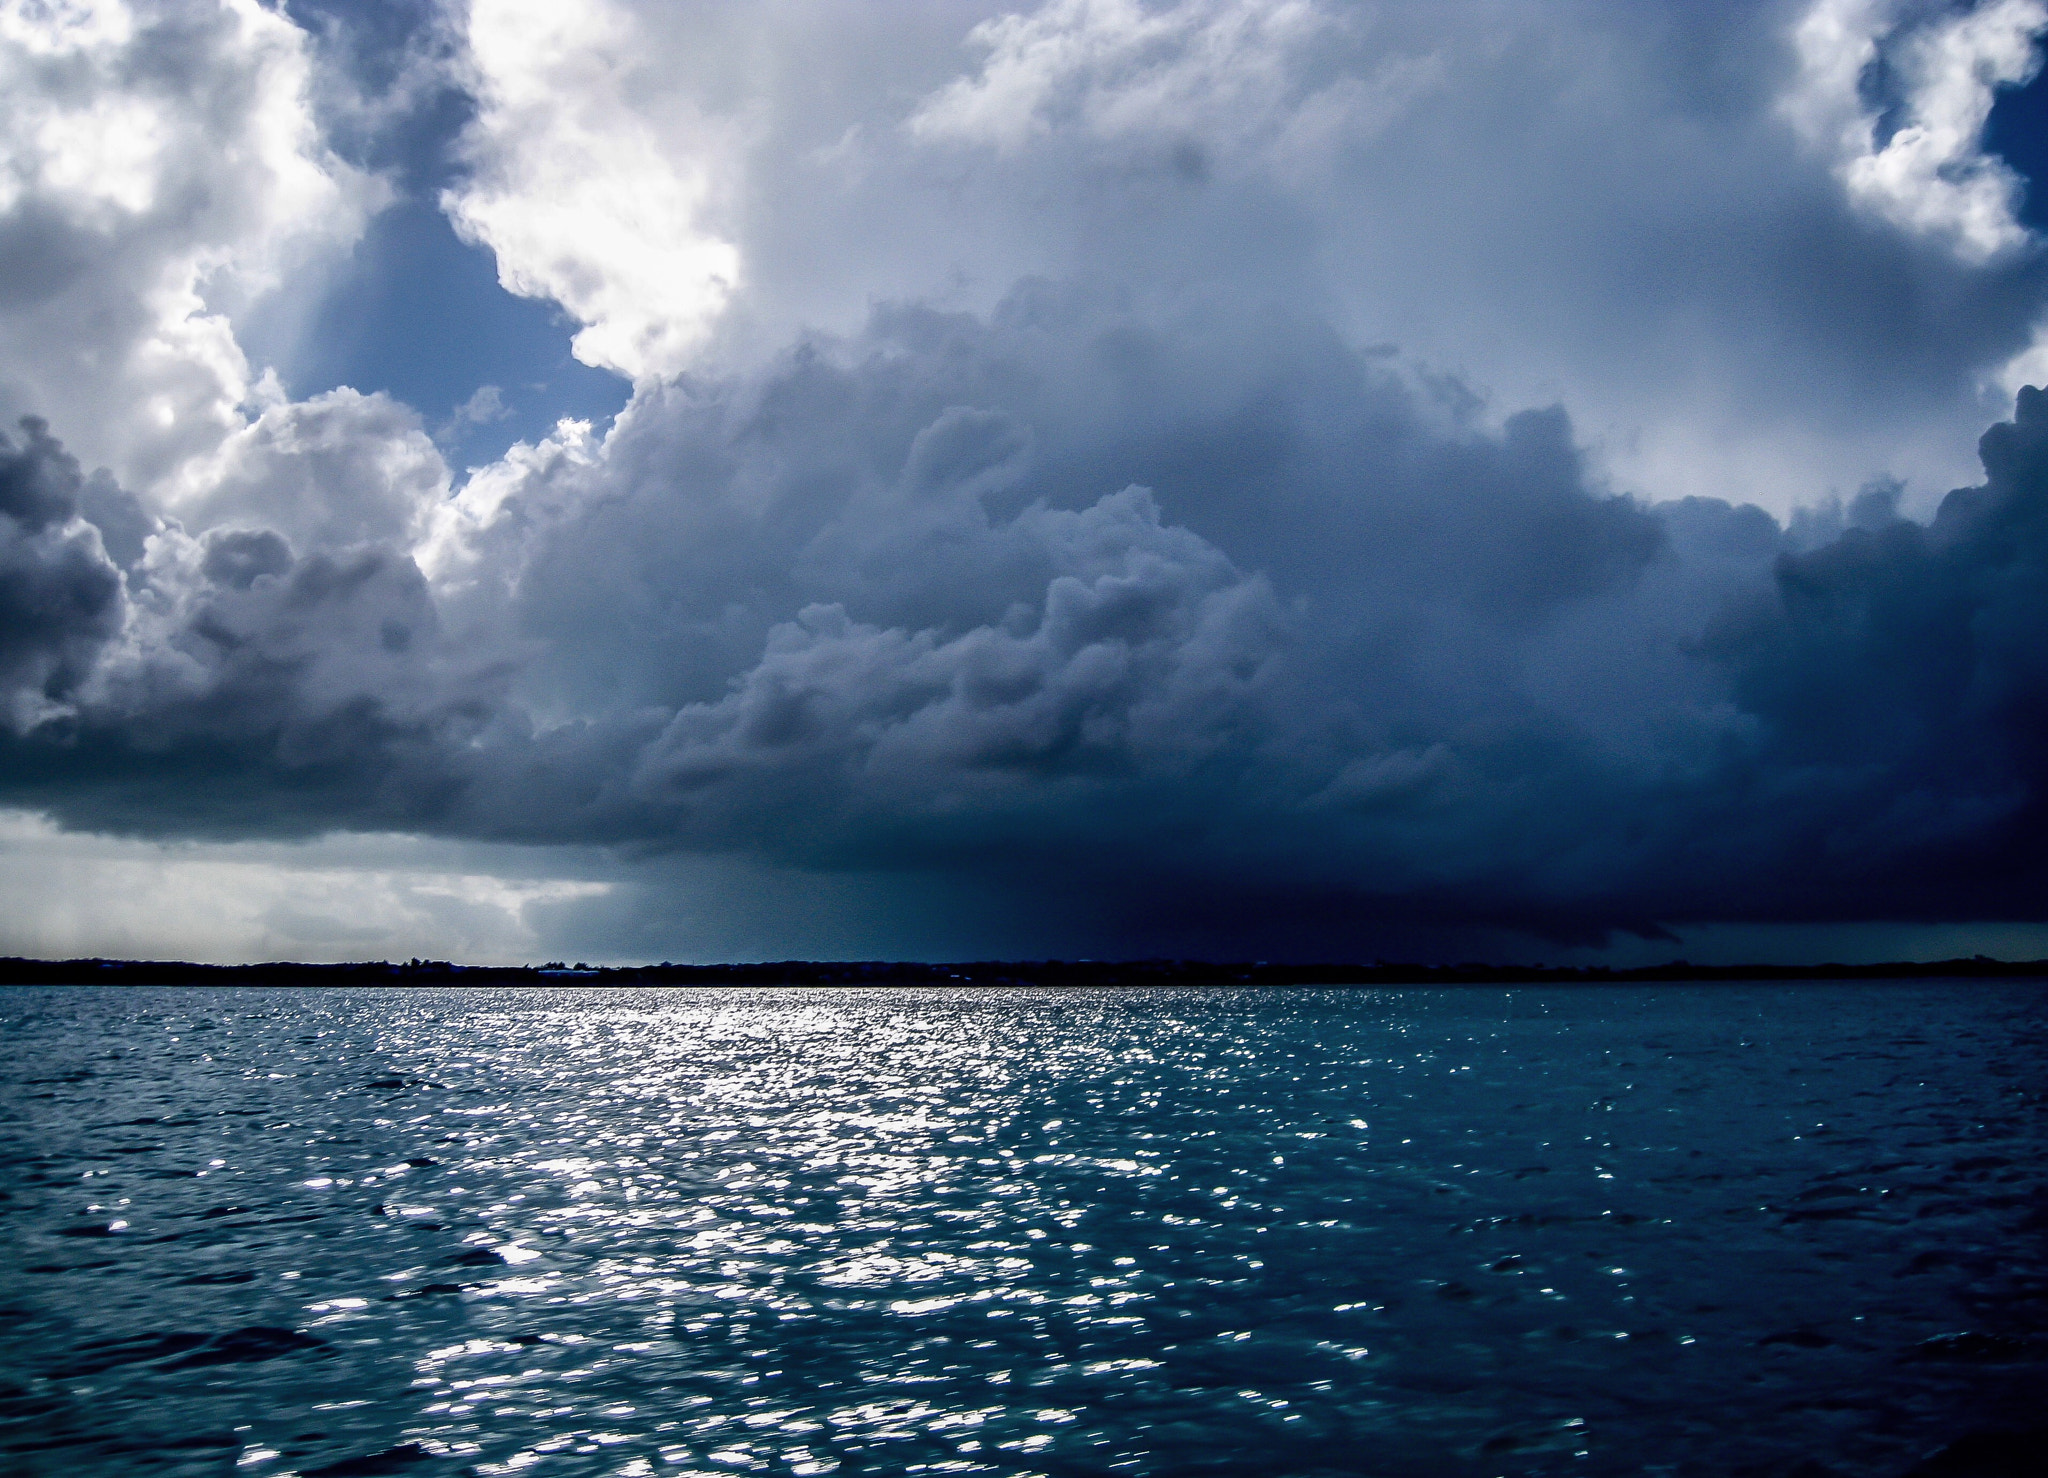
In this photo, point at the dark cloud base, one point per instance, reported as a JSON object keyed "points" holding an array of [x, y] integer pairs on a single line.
{"points": [[1193, 634]]}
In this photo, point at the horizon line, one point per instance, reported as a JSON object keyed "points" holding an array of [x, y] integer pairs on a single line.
{"points": [[1157, 971]]}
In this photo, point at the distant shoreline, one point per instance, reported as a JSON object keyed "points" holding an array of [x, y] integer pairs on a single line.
{"points": [[985, 973]]}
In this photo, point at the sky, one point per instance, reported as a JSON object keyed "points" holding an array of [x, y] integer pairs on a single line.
{"points": [[1270, 479]]}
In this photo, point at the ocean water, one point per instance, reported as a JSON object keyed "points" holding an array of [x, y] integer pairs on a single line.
{"points": [[1713, 1230]]}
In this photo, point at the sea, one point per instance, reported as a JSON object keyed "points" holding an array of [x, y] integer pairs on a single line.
{"points": [[1787, 1231]]}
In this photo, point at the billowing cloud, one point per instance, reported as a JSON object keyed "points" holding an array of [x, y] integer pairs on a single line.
{"points": [[591, 184], [1904, 107], [1759, 248], [1899, 678], [1022, 514], [336, 469], [60, 596], [832, 618], [160, 170]]}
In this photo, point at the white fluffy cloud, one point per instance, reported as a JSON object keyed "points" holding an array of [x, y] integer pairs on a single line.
{"points": [[160, 168], [337, 469], [594, 186], [1623, 210], [1929, 174]]}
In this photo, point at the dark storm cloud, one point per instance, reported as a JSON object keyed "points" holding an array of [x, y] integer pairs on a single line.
{"points": [[1190, 631], [60, 596], [228, 686], [1901, 678]]}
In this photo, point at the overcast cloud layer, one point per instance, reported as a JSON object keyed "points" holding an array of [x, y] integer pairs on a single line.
{"points": [[1280, 479]]}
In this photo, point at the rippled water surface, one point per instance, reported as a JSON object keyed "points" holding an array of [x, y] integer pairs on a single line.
{"points": [[1685, 1230]]}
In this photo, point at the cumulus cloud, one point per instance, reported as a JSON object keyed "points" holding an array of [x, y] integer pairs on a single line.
{"points": [[1903, 106], [1899, 678], [1139, 659], [339, 468], [593, 188], [1020, 515], [1347, 660], [1755, 248], [60, 596], [160, 169]]}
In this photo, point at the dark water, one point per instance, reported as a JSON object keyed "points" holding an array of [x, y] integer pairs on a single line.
{"points": [[1713, 1230]]}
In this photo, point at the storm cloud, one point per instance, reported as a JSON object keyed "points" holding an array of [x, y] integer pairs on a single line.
{"points": [[59, 593], [1130, 594], [833, 618]]}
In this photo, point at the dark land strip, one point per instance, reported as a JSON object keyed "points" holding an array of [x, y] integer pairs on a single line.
{"points": [[1064, 973]]}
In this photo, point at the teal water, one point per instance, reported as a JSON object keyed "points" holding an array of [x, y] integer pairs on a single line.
{"points": [[1676, 1230]]}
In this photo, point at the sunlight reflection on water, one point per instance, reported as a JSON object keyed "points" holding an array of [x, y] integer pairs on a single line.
{"points": [[1674, 1230]]}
